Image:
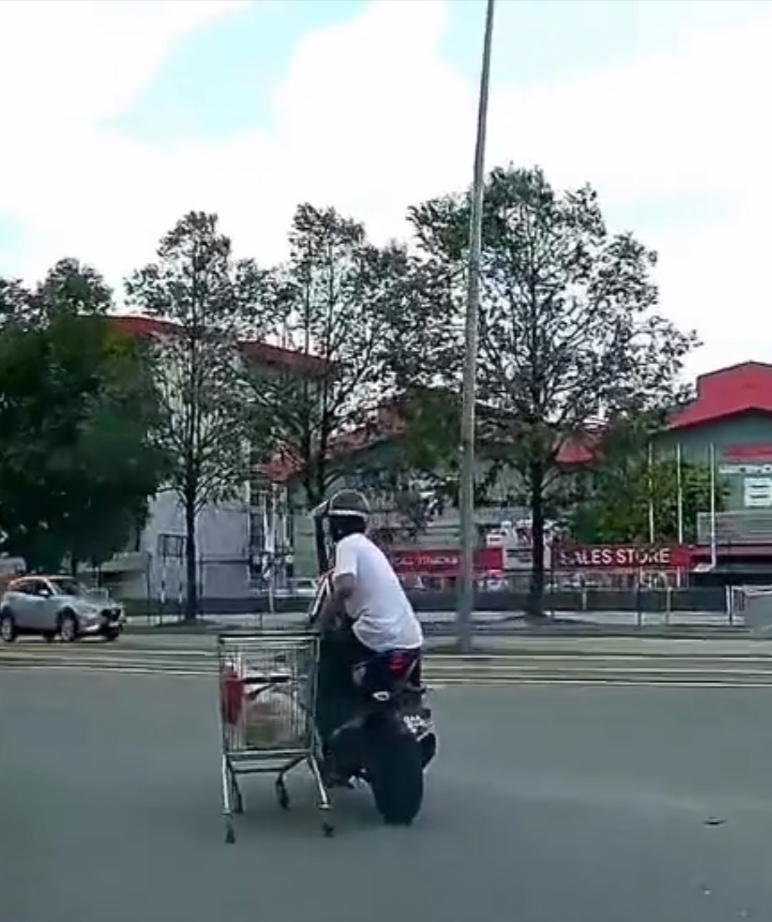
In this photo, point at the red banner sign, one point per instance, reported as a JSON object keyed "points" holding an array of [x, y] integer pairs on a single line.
{"points": [[747, 452], [620, 557], [446, 563]]}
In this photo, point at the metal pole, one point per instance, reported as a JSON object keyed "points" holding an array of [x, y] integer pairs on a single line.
{"points": [[466, 491], [713, 554], [651, 493], [680, 495], [271, 548]]}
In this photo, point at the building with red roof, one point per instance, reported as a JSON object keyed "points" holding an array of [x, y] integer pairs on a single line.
{"points": [[730, 419], [230, 535], [731, 411], [264, 353]]}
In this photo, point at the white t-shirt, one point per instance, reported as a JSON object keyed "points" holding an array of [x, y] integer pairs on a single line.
{"points": [[382, 616]]}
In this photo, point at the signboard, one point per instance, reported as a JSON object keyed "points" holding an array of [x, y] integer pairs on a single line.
{"points": [[520, 558], [620, 557], [495, 539], [754, 470], [747, 452], [757, 492], [446, 562]]}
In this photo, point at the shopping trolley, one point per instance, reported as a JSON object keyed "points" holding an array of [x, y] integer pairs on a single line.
{"points": [[267, 705]]}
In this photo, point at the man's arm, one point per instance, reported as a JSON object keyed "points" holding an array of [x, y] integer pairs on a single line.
{"points": [[333, 607], [344, 582]]}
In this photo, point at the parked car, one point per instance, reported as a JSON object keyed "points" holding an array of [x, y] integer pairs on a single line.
{"points": [[51, 605]]}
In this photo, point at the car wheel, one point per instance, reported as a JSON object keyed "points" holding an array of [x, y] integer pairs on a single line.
{"points": [[68, 627], [112, 634], [8, 630]]}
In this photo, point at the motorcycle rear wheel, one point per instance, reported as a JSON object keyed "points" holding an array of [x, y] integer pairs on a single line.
{"points": [[395, 773]]}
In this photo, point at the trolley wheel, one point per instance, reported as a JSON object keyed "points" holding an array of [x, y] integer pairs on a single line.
{"points": [[230, 833], [281, 794], [328, 829]]}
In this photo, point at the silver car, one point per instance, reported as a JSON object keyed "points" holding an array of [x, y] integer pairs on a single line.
{"points": [[51, 605]]}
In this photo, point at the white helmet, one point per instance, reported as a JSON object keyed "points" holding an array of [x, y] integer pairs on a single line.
{"points": [[344, 504]]}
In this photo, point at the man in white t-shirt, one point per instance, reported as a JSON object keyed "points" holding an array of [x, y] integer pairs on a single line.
{"points": [[367, 601], [364, 584]]}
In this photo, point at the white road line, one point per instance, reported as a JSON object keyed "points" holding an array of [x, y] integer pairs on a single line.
{"points": [[447, 681]]}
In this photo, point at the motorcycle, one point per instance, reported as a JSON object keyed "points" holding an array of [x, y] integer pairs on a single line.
{"points": [[390, 738]]}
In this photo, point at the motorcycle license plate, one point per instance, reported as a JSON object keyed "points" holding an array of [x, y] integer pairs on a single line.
{"points": [[418, 726]]}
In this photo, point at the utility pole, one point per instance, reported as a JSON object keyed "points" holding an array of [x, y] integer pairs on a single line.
{"points": [[713, 549], [466, 492]]}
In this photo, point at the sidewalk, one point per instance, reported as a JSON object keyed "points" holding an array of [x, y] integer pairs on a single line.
{"points": [[636, 646]]}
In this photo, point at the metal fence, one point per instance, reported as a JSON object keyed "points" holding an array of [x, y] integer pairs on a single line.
{"points": [[628, 605]]}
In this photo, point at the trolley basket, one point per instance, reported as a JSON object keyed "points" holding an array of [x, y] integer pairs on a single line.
{"points": [[268, 683]]}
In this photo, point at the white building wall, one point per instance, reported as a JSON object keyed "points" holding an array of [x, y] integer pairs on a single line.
{"points": [[222, 533]]}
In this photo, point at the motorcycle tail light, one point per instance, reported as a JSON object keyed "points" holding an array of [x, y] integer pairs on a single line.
{"points": [[398, 663]]}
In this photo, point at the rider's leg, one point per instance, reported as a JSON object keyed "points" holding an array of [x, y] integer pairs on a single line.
{"points": [[333, 678]]}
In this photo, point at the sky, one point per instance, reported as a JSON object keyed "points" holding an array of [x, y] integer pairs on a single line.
{"points": [[119, 117]]}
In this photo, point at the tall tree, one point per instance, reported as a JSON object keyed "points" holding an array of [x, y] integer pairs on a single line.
{"points": [[76, 407], [568, 330], [356, 315], [207, 298]]}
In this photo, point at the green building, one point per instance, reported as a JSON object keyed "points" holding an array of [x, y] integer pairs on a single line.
{"points": [[730, 421]]}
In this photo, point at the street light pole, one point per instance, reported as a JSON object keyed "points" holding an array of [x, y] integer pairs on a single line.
{"points": [[466, 492]]}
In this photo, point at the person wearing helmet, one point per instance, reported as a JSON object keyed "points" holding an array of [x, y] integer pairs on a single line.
{"points": [[367, 599]]}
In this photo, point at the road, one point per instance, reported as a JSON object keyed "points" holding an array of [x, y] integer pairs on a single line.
{"points": [[546, 804], [501, 660]]}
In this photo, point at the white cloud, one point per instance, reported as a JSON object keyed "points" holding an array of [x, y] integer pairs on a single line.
{"points": [[371, 119], [72, 62], [64, 68]]}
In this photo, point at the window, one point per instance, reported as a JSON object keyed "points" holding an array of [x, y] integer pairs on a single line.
{"points": [[66, 586]]}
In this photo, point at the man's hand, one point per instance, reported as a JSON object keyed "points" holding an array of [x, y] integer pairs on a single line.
{"points": [[333, 607]]}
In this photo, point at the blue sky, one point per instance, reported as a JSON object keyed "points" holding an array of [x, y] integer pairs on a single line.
{"points": [[128, 114], [219, 79]]}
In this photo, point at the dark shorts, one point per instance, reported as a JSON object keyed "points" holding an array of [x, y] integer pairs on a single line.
{"points": [[338, 694]]}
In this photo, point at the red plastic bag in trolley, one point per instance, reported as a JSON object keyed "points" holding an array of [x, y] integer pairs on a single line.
{"points": [[231, 696]]}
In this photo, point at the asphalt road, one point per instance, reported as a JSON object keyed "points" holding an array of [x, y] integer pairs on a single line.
{"points": [[546, 804], [498, 659]]}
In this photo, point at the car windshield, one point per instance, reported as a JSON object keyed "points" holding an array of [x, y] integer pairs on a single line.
{"points": [[67, 586]]}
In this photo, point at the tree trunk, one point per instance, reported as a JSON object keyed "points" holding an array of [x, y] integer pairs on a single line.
{"points": [[191, 597], [535, 607]]}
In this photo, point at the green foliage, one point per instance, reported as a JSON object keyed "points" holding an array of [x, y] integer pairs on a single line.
{"points": [[76, 408], [617, 508]]}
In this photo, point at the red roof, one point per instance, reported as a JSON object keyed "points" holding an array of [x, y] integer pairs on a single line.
{"points": [[275, 355], [387, 423], [142, 326], [580, 449], [262, 352], [726, 392]]}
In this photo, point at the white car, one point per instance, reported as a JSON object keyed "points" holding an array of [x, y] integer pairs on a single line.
{"points": [[51, 605]]}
